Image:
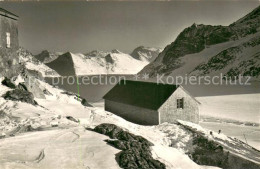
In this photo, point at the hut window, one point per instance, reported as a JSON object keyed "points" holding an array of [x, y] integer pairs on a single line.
{"points": [[8, 41], [180, 103]]}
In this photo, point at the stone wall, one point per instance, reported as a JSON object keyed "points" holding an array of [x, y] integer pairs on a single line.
{"points": [[9, 61], [132, 113], [11, 26], [168, 112]]}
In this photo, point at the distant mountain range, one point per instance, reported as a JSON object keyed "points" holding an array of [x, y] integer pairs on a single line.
{"points": [[198, 50], [98, 62], [210, 50], [34, 66]]}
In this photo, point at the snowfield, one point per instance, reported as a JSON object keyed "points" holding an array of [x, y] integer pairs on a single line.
{"points": [[226, 106], [113, 63], [67, 148], [247, 134]]}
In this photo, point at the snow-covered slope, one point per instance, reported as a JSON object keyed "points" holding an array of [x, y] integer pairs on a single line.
{"points": [[35, 66], [115, 62], [210, 50], [95, 62], [41, 136], [226, 106], [67, 143]]}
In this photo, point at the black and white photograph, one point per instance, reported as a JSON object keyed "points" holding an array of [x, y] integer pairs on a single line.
{"points": [[133, 84]]}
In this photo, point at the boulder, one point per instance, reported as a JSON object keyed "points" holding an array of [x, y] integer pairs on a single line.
{"points": [[110, 130], [33, 85], [21, 86], [7, 82], [85, 103], [135, 152], [20, 95], [72, 119]]}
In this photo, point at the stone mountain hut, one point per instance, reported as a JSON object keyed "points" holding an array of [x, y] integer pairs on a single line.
{"points": [[149, 103], [8, 30], [9, 43]]}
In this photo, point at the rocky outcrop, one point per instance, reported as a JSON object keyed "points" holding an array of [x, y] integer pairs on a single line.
{"points": [[115, 51], [72, 119], [34, 66], [96, 53], [215, 152], [109, 59], [82, 100], [45, 56], [32, 84], [20, 95], [234, 61], [85, 103], [207, 152], [219, 61], [21, 86], [135, 152], [7, 82]]}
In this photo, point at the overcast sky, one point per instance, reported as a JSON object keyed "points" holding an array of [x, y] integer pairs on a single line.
{"points": [[86, 26]]}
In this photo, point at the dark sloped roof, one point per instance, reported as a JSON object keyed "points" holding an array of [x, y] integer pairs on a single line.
{"points": [[8, 14], [141, 94]]}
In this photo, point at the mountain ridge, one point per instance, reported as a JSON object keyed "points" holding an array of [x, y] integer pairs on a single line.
{"points": [[197, 38], [98, 62]]}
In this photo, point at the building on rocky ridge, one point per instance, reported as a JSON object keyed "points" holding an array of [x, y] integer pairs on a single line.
{"points": [[149, 103], [9, 43], [9, 30]]}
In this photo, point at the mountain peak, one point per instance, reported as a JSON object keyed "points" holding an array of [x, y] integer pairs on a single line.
{"points": [[45, 56], [109, 59], [194, 25], [63, 64], [96, 53], [115, 51], [145, 53]]}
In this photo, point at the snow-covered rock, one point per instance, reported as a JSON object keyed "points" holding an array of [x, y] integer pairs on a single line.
{"points": [[146, 53], [46, 56]]}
